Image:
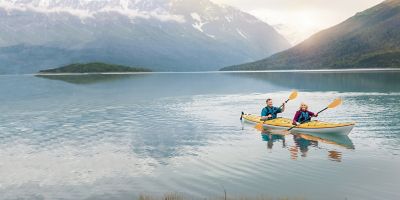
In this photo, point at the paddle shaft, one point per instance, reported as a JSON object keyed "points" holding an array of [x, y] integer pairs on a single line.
{"points": [[302, 122], [322, 110], [284, 103]]}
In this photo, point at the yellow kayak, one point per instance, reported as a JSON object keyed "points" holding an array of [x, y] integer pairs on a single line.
{"points": [[308, 127]]}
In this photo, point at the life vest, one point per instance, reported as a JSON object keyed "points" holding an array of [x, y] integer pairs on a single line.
{"points": [[304, 116], [271, 111]]}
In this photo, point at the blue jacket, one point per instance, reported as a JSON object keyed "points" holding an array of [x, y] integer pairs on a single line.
{"points": [[270, 111]]}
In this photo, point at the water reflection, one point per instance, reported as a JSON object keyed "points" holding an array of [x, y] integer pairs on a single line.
{"points": [[368, 81], [179, 132], [301, 143], [335, 156], [271, 138], [333, 139], [89, 78]]}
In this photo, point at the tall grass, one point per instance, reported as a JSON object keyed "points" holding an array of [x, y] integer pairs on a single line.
{"points": [[177, 196]]}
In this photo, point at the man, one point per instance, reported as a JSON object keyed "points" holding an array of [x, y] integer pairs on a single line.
{"points": [[270, 112]]}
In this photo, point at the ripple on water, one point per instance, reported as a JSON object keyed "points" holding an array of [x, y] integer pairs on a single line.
{"points": [[193, 144]]}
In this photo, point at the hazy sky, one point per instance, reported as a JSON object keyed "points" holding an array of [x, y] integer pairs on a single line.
{"points": [[299, 19]]}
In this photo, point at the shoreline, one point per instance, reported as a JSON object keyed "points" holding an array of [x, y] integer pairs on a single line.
{"points": [[214, 72]]}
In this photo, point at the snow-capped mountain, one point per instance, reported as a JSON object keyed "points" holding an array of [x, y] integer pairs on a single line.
{"points": [[166, 35]]}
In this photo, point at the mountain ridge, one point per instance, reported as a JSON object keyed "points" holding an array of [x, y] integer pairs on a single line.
{"points": [[172, 35], [369, 39]]}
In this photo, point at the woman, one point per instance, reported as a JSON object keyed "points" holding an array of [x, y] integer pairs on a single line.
{"points": [[303, 115]]}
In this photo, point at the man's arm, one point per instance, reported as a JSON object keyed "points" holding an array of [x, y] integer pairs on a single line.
{"points": [[280, 110], [263, 112]]}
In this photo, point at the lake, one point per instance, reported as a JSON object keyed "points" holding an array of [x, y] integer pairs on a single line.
{"points": [[119, 136]]}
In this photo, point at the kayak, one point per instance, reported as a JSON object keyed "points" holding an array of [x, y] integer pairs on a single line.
{"points": [[308, 127]]}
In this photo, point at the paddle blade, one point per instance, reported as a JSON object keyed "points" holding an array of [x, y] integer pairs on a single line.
{"points": [[259, 126], [335, 103], [293, 95]]}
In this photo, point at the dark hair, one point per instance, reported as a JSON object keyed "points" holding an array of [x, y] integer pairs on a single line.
{"points": [[269, 99]]}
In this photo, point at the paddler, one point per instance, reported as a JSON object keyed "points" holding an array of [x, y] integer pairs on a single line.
{"points": [[303, 115], [270, 112]]}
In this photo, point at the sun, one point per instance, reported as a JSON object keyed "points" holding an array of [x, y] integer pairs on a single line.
{"points": [[306, 20], [303, 24]]}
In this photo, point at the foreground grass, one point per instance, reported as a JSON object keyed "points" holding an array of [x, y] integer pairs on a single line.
{"points": [[175, 196]]}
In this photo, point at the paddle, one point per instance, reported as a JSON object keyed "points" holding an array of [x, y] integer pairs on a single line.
{"points": [[292, 96], [334, 104]]}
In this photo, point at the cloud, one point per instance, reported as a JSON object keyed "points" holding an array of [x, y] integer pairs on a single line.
{"points": [[8, 6], [83, 14], [299, 19]]}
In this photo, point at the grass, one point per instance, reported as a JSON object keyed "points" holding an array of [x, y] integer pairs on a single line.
{"points": [[177, 196]]}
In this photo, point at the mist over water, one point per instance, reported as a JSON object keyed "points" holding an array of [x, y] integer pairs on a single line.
{"points": [[118, 136]]}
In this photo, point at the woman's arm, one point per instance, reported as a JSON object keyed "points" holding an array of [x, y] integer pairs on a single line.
{"points": [[295, 118], [312, 114]]}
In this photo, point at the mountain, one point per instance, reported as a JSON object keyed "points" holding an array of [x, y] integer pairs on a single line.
{"points": [[367, 40], [164, 35]]}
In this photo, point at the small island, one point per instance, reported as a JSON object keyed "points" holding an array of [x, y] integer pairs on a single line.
{"points": [[94, 67]]}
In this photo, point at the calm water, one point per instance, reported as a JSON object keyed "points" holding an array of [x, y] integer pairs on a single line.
{"points": [[118, 136]]}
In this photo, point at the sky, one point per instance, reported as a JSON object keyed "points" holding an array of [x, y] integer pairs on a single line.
{"points": [[299, 19]]}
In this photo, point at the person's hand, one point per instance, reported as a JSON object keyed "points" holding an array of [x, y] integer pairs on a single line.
{"points": [[316, 115], [269, 116]]}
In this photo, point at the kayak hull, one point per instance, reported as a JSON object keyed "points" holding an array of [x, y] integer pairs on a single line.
{"points": [[343, 130], [309, 127]]}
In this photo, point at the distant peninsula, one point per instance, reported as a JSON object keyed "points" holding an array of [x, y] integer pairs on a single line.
{"points": [[94, 67]]}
